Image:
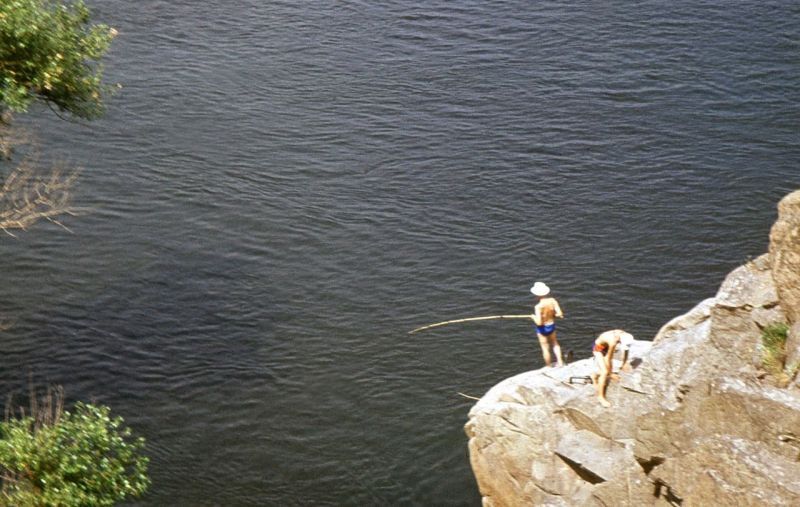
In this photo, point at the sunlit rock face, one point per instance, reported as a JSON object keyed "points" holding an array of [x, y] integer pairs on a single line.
{"points": [[697, 422], [784, 249]]}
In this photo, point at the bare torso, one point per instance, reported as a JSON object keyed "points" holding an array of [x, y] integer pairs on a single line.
{"points": [[609, 338], [546, 311]]}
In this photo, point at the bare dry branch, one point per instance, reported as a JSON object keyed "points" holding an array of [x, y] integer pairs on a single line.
{"points": [[45, 408], [11, 137], [30, 194]]}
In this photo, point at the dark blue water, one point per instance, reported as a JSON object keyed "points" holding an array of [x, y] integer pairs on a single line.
{"points": [[282, 190]]}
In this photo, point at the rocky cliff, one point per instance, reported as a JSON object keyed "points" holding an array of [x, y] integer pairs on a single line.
{"points": [[699, 421]]}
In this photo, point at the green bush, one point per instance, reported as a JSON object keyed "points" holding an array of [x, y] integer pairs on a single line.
{"points": [[50, 51], [773, 352], [78, 458]]}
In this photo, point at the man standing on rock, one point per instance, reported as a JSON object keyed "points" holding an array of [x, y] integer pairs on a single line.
{"points": [[544, 316], [603, 352]]}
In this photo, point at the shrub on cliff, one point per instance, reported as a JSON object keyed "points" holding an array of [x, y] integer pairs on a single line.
{"points": [[84, 457], [774, 354]]}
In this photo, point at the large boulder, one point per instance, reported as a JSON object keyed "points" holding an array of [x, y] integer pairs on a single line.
{"points": [[697, 421], [784, 249], [540, 439]]}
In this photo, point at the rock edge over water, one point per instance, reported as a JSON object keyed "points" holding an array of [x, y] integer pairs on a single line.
{"points": [[697, 422]]}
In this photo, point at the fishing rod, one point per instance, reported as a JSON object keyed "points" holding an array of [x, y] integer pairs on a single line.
{"points": [[471, 319]]}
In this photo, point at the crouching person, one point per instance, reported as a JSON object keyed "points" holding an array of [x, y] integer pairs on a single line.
{"points": [[603, 351]]}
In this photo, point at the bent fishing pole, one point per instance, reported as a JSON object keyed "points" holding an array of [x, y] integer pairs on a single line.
{"points": [[471, 319]]}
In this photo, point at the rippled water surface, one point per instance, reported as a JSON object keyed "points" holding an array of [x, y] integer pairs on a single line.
{"points": [[281, 190]]}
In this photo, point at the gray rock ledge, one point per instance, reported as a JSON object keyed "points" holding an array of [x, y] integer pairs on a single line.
{"points": [[696, 423]]}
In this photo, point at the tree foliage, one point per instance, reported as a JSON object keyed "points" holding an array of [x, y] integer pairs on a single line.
{"points": [[70, 459], [51, 51]]}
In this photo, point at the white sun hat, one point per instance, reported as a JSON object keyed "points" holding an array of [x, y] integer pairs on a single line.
{"points": [[540, 289]]}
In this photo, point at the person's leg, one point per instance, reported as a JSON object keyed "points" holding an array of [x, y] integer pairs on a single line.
{"points": [[598, 361], [602, 385], [600, 379], [545, 344], [556, 348]]}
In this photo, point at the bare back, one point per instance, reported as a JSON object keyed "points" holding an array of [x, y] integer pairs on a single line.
{"points": [[546, 310], [609, 338]]}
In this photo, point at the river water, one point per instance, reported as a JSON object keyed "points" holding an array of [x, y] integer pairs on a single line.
{"points": [[282, 190]]}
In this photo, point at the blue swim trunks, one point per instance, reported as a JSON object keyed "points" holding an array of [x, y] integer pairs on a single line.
{"points": [[546, 330]]}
